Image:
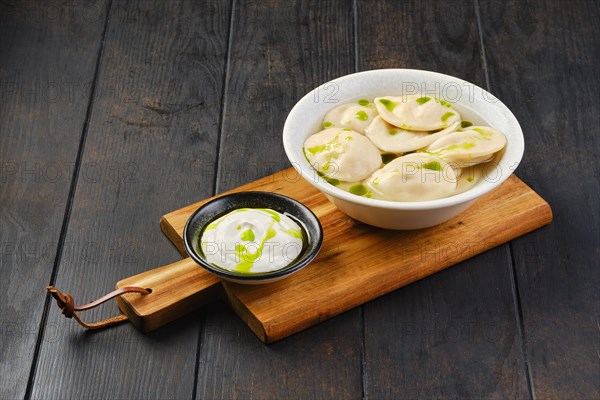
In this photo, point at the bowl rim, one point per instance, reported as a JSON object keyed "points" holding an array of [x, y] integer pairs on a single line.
{"points": [[313, 247], [305, 169]]}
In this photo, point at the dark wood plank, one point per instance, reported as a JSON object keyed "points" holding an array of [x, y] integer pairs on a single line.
{"points": [[322, 362], [44, 93], [280, 51], [452, 335], [149, 149], [449, 336], [543, 60]]}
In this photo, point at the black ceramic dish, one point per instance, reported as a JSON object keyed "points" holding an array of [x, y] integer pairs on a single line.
{"points": [[224, 204]]}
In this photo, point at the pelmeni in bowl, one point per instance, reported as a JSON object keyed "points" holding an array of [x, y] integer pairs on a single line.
{"points": [[442, 143]]}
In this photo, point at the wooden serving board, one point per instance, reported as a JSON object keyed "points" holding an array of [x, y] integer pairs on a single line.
{"points": [[356, 264]]}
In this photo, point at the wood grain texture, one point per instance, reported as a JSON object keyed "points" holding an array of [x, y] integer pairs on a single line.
{"points": [[177, 290], [280, 50], [357, 263], [318, 363], [274, 62], [428, 362], [44, 93], [150, 148], [543, 59]]}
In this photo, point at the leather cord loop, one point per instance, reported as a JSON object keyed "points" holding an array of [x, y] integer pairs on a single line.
{"points": [[67, 305]]}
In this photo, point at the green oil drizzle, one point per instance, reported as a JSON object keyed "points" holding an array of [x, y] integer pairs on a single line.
{"points": [[316, 149], [248, 258], [332, 181], [358, 189], [390, 105], [465, 146], [363, 102], [446, 116], [322, 147], [274, 214], [393, 132], [244, 266], [433, 165], [362, 116], [485, 135], [422, 100], [212, 225], [445, 104], [304, 151], [327, 124], [462, 146], [295, 233], [247, 235], [466, 124], [470, 179]]}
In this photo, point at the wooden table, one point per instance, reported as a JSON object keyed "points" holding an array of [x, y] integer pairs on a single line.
{"points": [[115, 113]]}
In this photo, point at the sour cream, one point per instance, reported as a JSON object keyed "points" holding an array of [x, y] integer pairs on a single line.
{"points": [[252, 240]]}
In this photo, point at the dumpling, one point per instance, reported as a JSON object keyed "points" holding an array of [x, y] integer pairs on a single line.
{"points": [[416, 113], [468, 147], [342, 154], [395, 140], [413, 177], [356, 116], [468, 177]]}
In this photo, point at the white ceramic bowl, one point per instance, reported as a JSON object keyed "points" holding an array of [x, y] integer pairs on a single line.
{"points": [[229, 202], [475, 105]]}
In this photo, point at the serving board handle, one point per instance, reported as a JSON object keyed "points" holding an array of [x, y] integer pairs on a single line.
{"points": [[177, 289]]}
